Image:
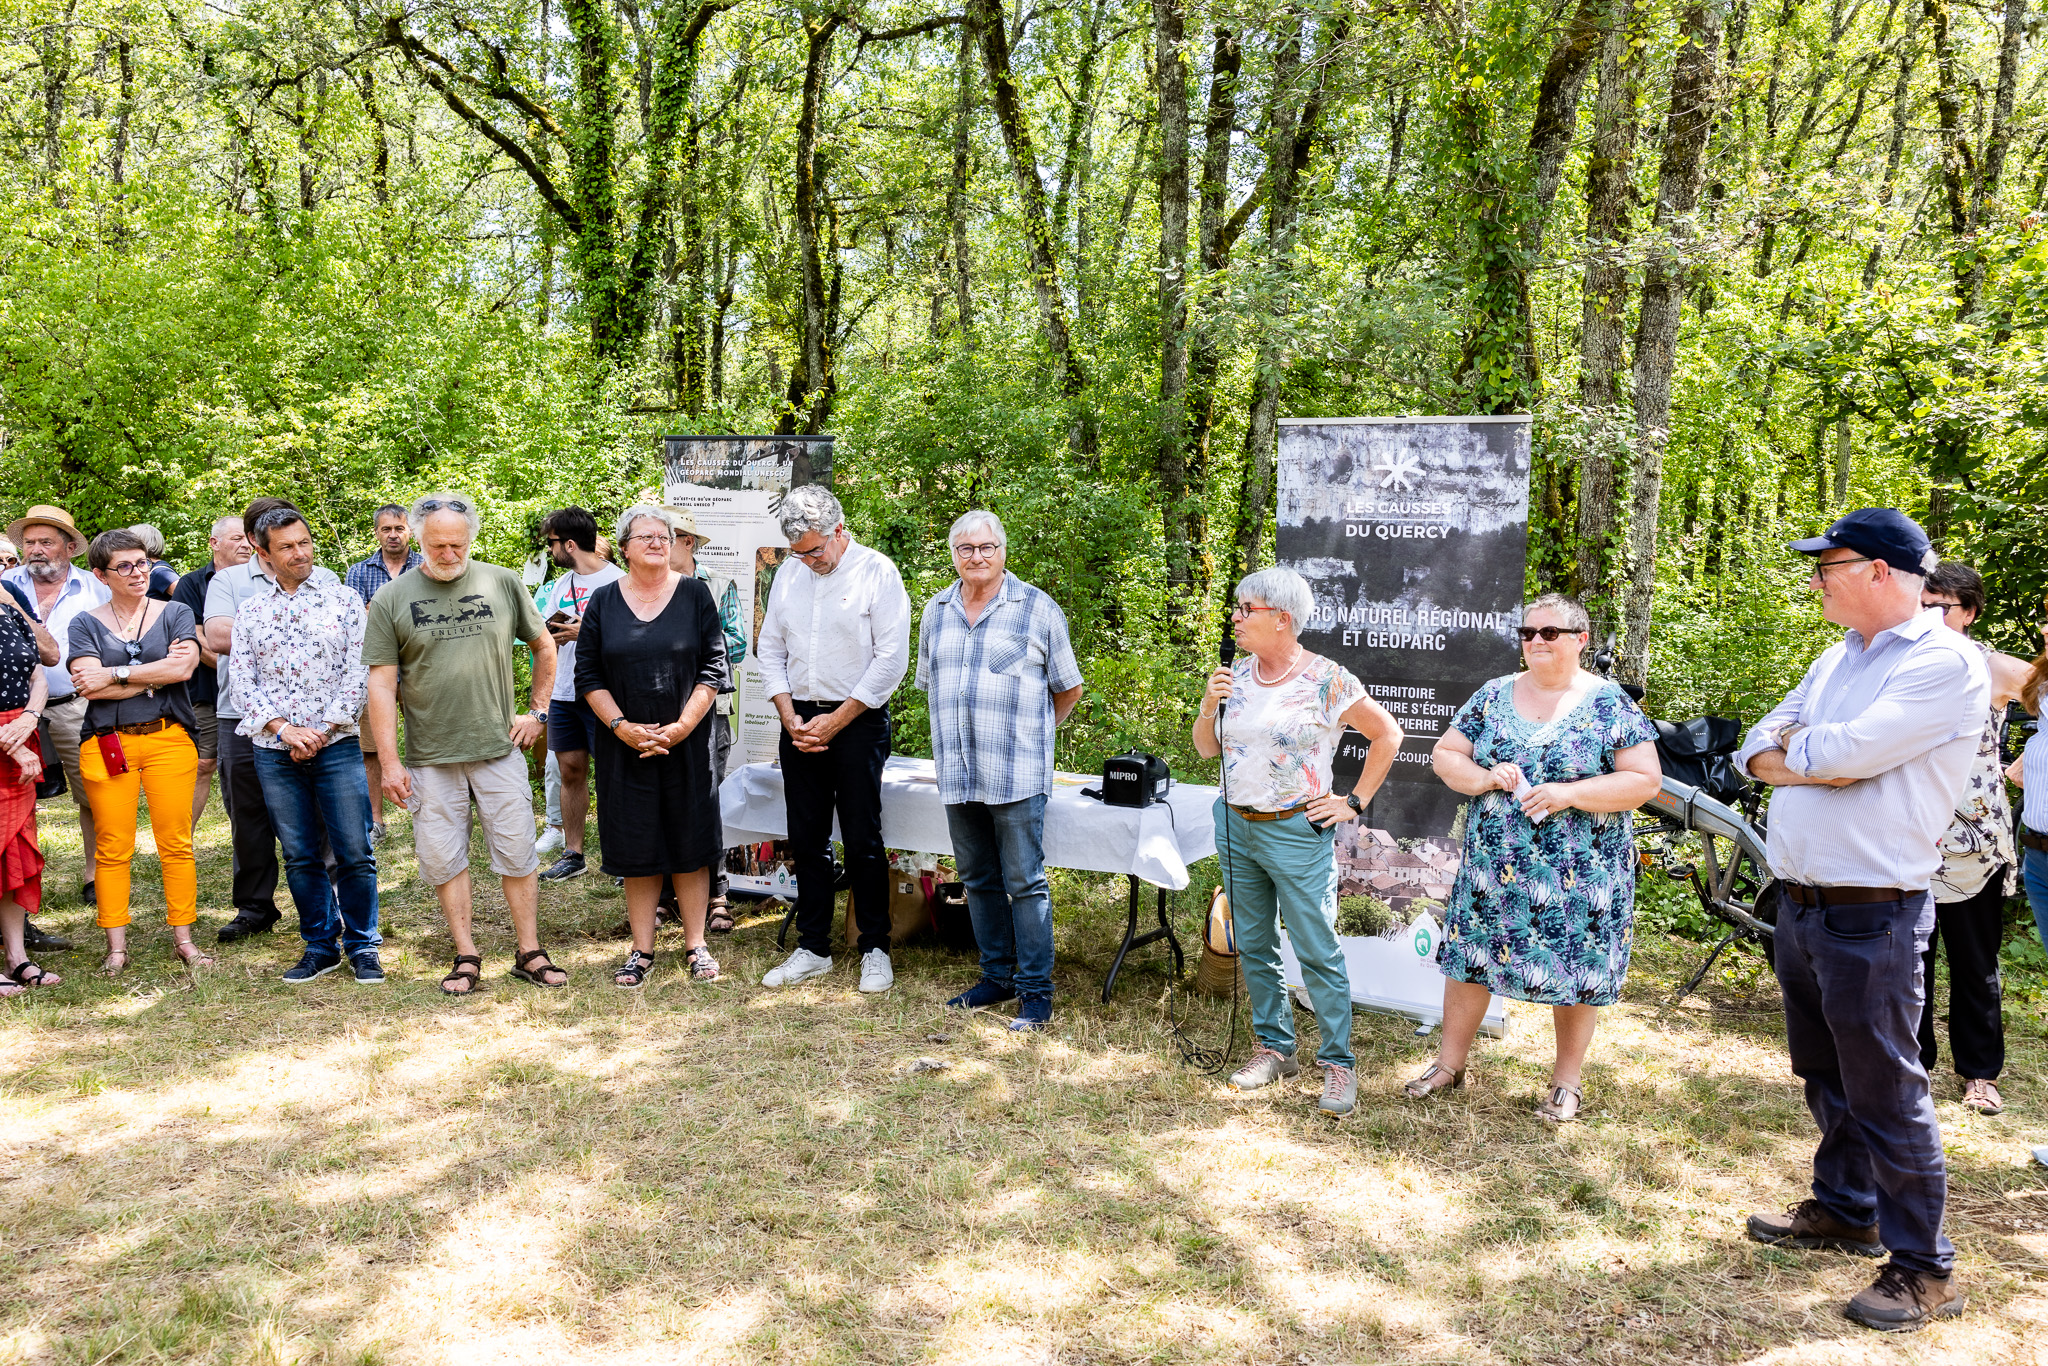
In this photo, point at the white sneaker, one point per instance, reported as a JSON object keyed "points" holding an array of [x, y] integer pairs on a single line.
{"points": [[800, 966], [875, 972], [549, 841]]}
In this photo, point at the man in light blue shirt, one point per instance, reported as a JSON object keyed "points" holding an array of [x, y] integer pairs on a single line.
{"points": [[994, 658], [1869, 754]]}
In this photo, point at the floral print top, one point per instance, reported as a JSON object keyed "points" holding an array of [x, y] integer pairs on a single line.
{"points": [[1278, 741], [1978, 842], [299, 657]]}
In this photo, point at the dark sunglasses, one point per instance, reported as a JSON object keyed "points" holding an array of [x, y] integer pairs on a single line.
{"points": [[1529, 633], [460, 505]]}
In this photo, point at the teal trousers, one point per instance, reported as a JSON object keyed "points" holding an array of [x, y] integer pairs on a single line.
{"points": [[1286, 871]]}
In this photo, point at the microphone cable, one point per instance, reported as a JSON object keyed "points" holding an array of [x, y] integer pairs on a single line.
{"points": [[1211, 1062]]}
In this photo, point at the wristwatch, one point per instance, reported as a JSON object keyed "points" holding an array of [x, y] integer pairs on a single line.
{"points": [[121, 674], [537, 714], [1351, 800]]}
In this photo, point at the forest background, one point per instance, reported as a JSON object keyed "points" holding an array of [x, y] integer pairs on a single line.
{"points": [[1749, 262]]}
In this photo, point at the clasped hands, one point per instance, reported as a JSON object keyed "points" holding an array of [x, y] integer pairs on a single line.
{"points": [[815, 735], [302, 742], [653, 741], [14, 743], [1544, 799]]}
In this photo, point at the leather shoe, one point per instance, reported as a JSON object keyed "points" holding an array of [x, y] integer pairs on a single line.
{"points": [[35, 941], [1902, 1300], [1809, 1225], [242, 926]]}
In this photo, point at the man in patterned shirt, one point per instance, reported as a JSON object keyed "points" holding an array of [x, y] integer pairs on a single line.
{"points": [[366, 576], [298, 675], [994, 658]]}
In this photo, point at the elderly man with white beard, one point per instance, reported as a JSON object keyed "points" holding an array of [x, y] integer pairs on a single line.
{"points": [[439, 643]]}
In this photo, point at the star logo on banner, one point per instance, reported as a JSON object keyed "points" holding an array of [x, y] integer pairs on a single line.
{"points": [[1398, 469]]}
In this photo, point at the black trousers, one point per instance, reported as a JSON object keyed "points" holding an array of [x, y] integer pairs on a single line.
{"points": [[846, 778], [1972, 930], [241, 792]]}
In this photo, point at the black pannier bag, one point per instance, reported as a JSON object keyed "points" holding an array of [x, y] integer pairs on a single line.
{"points": [[1700, 753]]}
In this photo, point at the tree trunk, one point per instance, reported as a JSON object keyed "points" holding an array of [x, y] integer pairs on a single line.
{"points": [[1689, 122], [593, 177], [1169, 454], [956, 189], [1213, 244], [1604, 299], [811, 385], [1896, 149]]}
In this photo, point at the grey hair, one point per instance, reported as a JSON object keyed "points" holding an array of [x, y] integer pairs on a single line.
{"points": [[975, 517], [429, 504], [641, 512], [1573, 612], [230, 520], [1279, 587], [807, 508], [152, 540]]}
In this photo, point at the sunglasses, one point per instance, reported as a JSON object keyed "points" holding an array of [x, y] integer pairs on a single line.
{"points": [[1529, 633], [460, 505]]}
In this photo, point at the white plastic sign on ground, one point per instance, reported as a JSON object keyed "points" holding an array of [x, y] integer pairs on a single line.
{"points": [[1397, 975]]}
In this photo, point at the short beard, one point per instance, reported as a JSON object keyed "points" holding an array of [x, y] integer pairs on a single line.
{"points": [[44, 571], [434, 572]]}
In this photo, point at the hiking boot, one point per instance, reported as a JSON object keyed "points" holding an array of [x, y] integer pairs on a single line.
{"points": [[982, 993], [562, 869], [1808, 1225], [1902, 1300], [800, 966], [1266, 1066], [876, 974], [311, 965], [1033, 1013], [1340, 1089]]}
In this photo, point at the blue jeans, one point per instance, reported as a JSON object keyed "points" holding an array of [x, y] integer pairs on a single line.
{"points": [[2034, 874], [1276, 870], [1000, 851], [1854, 989], [328, 796]]}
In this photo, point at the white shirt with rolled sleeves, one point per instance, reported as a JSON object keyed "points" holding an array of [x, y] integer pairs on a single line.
{"points": [[830, 637], [1901, 714]]}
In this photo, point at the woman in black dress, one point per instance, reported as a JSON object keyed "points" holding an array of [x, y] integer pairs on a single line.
{"points": [[649, 662]]}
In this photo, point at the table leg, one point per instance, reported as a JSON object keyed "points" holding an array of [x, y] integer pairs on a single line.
{"points": [[1134, 940]]}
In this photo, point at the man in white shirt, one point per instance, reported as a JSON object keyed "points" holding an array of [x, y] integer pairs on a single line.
{"points": [[1869, 754], [834, 643], [60, 591], [571, 536]]}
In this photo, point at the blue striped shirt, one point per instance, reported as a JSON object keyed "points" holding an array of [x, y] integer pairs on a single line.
{"points": [[367, 576], [2034, 768], [990, 685]]}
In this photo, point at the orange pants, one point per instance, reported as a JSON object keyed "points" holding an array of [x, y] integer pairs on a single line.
{"points": [[163, 766]]}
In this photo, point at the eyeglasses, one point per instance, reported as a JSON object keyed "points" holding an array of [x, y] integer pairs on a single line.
{"points": [[651, 537], [1245, 609], [1821, 567], [985, 551], [1946, 607], [1529, 633], [460, 505], [555, 540], [127, 567], [813, 553]]}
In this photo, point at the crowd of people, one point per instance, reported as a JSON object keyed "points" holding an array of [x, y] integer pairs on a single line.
{"points": [[320, 702]]}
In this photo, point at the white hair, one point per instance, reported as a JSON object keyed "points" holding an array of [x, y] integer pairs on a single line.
{"points": [[975, 517], [642, 512], [152, 540], [425, 507], [1279, 587], [807, 508]]}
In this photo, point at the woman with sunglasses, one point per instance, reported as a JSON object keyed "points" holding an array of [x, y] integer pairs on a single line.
{"points": [[1544, 906], [1276, 718], [130, 658]]}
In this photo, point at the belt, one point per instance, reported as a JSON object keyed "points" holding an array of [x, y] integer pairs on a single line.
{"points": [[2034, 839], [822, 706], [1251, 815], [1842, 896], [147, 727]]}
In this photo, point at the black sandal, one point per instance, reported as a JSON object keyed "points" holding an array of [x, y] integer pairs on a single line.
{"points": [[27, 974], [718, 918], [633, 971], [468, 968], [538, 976]]}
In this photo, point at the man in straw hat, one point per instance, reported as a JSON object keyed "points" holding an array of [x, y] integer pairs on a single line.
{"points": [[49, 541]]}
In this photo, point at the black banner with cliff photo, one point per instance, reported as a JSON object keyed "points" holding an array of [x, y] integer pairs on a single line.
{"points": [[1412, 534]]}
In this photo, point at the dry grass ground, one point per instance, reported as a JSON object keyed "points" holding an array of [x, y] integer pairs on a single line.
{"points": [[230, 1169]]}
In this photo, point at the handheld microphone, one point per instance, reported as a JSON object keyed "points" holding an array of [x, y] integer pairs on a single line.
{"points": [[1226, 655]]}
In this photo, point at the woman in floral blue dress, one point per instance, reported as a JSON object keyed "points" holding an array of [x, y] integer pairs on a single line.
{"points": [[1544, 906]]}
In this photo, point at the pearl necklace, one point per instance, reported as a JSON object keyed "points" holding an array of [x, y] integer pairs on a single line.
{"points": [[1259, 674]]}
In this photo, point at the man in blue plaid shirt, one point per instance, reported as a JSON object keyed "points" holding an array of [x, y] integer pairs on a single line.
{"points": [[994, 659]]}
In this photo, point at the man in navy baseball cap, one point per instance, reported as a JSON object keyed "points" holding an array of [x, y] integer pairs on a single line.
{"points": [[1877, 534]]}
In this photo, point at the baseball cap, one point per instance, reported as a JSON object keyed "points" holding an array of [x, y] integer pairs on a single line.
{"points": [[1879, 534]]}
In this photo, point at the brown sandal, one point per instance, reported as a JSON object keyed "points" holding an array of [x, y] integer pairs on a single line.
{"points": [[198, 958], [1427, 1085], [468, 968], [1563, 1105], [538, 975], [718, 917]]}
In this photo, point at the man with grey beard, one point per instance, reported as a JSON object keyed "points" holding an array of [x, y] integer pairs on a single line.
{"points": [[60, 591], [439, 643]]}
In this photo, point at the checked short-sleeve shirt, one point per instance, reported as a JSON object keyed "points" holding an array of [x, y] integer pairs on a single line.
{"points": [[990, 686]]}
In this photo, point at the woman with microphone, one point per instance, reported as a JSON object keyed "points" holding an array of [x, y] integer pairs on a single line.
{"points": [[1276, 717]]}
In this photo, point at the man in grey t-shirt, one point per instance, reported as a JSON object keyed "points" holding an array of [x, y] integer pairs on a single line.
{"points": [[241, 791]]}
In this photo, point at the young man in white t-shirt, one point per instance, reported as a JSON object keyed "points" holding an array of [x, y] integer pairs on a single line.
{"points": [[571, 537]]}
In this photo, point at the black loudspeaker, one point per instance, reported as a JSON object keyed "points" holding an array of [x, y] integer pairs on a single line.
{"points": [[1135, 779]]}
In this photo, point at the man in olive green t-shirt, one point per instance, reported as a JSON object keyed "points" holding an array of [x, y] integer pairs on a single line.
{"points": [[439, 643]]}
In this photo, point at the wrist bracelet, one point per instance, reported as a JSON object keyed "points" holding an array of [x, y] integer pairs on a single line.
{"points": [[1208, 716]]}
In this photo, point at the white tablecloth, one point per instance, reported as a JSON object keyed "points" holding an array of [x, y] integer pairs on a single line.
{"points": [[1155, 843]]}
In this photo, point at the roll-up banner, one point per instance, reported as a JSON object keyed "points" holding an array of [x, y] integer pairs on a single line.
{"points": [[734, 486], [1412, 533]]}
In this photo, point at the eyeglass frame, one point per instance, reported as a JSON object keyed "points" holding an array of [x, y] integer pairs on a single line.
{"points": [[979, 550], [808, 555], [1549, 633], [140, 567], [1245, 610], [651, 536], [1821, 567], [461, 505]]}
